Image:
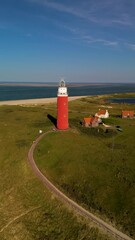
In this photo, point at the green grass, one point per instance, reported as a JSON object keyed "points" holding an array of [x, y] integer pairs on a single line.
{"points": [[27, 209], [95, 168]]}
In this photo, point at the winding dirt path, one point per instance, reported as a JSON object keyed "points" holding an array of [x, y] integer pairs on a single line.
{"points": [[113, 231]]}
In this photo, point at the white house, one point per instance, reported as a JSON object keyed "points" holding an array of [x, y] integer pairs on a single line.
{"points": [[102, 113]]}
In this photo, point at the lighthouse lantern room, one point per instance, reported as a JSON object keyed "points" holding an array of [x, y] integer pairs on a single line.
{"points": [[62, 106]]}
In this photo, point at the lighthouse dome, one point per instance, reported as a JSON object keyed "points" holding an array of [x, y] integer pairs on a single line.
{"points": [[62, 89]]}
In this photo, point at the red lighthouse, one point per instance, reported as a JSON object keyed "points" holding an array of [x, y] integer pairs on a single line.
{"points": [[62, 106]]}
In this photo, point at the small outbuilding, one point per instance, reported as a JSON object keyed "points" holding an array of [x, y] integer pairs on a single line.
{"points": [[127, 114], [102, 113], [91, 121], [87, 121]]}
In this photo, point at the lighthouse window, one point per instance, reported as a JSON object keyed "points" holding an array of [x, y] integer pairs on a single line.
{"points": [[62, 83]]}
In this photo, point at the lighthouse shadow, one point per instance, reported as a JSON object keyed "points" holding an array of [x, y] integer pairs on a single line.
{"points": [[52, 119]]}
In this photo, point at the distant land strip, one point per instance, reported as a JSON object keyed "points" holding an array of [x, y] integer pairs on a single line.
{"points": [[51, 84], [83, 212]]}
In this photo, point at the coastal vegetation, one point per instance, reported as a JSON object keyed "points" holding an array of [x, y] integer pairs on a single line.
{"points": [[95, 168], [27, 209]]}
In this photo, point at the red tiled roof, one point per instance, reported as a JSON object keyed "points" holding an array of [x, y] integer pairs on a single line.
{"points": [[88, 119], [102, 111], [128, 113]]}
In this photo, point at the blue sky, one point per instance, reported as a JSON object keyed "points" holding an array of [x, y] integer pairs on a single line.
{"points": [[80, 40]]}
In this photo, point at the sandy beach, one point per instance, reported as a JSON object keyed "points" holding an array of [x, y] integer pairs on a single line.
{"points": [[36, 101]]}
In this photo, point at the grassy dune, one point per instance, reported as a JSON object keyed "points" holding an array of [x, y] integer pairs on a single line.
{"points": [[27, 210], [97, 169]]}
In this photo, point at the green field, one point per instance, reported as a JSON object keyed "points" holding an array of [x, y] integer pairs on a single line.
{"points": [[97, 169], [27, 210]]}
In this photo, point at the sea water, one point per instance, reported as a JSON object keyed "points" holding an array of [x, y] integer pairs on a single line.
{"points": [[31, 92], [122, 100]]}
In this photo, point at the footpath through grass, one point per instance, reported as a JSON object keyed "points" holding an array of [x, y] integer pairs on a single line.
{"points": [[95, 168], [27, 210]]}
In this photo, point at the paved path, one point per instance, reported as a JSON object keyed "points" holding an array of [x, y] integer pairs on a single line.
{"points": [[113, 231]]}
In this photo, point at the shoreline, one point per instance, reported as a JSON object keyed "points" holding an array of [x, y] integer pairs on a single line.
{"points": [[51, 85], [36, 101]]}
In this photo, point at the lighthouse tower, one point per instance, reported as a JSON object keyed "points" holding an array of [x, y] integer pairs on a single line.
{"points": [[62, 106]]}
